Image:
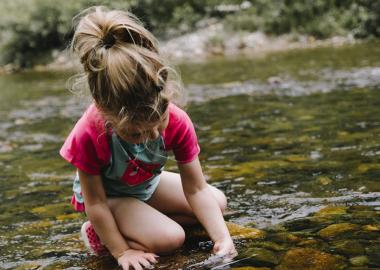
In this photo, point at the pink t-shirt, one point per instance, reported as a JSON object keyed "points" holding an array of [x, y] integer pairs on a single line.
{"points": [[87, 146]]}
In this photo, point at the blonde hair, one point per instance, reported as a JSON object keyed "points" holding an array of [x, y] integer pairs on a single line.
{"points": [[126, 75]]}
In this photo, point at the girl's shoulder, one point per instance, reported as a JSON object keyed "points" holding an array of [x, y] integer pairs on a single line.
{"points": [[178, 115], [87, 144], [92, 120], [180, 135]]}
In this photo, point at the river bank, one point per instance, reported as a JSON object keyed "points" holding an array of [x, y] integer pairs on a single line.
{"points": [[210, 41]]}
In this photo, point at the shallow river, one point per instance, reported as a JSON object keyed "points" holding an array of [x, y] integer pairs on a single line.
{"points": [[293, 139]]}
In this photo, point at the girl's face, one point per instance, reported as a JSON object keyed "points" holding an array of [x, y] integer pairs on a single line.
{"points": [[142, 133]]}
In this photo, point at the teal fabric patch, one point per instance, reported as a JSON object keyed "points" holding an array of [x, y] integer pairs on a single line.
{"points": [[134, 169]]}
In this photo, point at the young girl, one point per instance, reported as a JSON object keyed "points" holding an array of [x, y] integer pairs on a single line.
{"points": [[119, 147]]}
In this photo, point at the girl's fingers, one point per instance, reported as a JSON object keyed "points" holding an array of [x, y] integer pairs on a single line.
{"points": [[125, 266], [144, 262], [151, 257], [136, 266]]}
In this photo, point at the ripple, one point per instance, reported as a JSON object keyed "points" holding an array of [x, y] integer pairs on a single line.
{"points": [[329, 80], [266, 210]]}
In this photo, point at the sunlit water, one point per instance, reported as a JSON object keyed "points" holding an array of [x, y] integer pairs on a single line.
{"points": [[282, 145]]}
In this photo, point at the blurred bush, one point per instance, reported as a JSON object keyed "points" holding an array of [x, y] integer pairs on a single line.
{"points": [[319, 18], [31, 30]]}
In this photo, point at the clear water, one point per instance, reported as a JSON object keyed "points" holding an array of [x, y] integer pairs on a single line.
{"points": [[284, 136]]}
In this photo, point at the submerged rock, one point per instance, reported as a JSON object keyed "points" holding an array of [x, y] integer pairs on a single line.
{"points": [[29, 266], [371, 228], [271, 245], [237, 232], [261, 257], [310, 259], [324, 180], [241, 232], [37, 227], [373, 251], [312, 243], [348, 247], [331, 211], [337, 229], [359, 261], [52, 210], [285, 237]]}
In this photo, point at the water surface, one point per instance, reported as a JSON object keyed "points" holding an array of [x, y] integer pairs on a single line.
{"points": [[293, 139]]}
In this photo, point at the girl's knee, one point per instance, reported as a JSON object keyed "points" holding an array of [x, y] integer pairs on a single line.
{"points": [[169, 240]]}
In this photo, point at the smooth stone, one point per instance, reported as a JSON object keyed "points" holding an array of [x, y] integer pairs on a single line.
{"points": [[241, 232], [337, 229], [371, 228], [373, 251], [261, 256], [348, 247], [324, 180], [285, 237], [272, 246], [359, 261], [312, 243], [237, 232], [331, 211], [29, 266], [310, 259]]}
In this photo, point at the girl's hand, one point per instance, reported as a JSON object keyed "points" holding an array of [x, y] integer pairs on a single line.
{"points": [[137, 259], [225, 249]]}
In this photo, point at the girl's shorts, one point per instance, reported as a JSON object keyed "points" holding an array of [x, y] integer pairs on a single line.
{"points": [[142, 192]]}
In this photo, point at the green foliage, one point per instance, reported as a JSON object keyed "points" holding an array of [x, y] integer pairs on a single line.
{"points": [[28, 37], [319, 18], [30, 30]]}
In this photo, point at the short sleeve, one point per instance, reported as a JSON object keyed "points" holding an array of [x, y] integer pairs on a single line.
{"points": [[184, 139], [86, 147]]}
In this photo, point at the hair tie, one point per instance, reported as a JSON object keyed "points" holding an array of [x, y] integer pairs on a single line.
{"points": [[159, 88], [108, 40]]}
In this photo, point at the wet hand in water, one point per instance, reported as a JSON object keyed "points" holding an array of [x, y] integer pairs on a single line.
{"points": [[137, 260], [225, 249]]}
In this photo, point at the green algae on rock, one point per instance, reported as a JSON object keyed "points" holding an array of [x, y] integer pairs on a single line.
{"points": [[335, 230], [237, 232], [310, 259], [324, 180], [29, 266], [359, 261], [240, 232], [348, 247], [331, 211], [52, 209], [260, 256], [371, 228]]}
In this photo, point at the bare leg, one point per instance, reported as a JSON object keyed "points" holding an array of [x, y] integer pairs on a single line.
{"points": [[153, 226], [144, 227], [170, 199]]}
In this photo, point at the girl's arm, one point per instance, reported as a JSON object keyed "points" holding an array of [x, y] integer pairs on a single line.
{"points": [[102, 220], [205, 207], [100, 215]]}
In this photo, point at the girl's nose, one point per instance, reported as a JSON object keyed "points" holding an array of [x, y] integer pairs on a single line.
{"points": [[154, 133]]}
